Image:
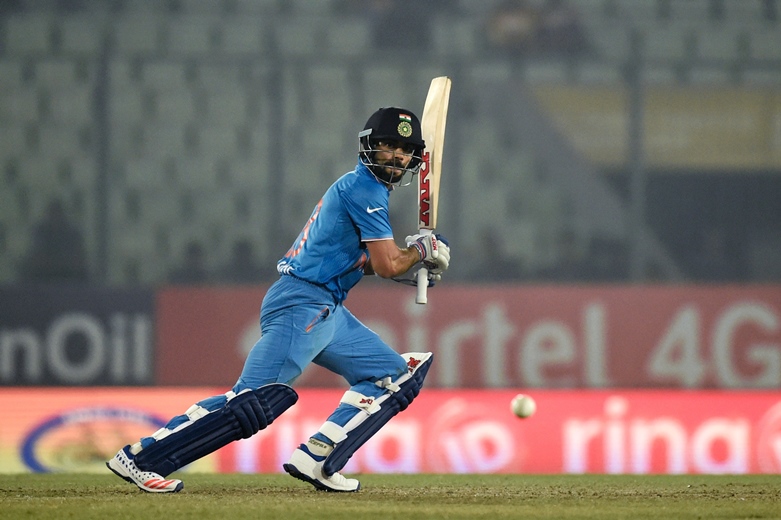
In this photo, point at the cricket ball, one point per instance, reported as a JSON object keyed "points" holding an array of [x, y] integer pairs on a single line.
{"points": [[523, 406]]}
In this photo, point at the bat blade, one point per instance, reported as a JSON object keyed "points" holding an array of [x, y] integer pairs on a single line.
{"points": [[432, 125]]}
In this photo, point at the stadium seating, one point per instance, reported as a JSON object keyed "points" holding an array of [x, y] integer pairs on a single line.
{"points": [[217, 111]]}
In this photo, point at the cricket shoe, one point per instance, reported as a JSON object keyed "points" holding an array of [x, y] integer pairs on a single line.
{"points": [[308, 467], [124, 467]]}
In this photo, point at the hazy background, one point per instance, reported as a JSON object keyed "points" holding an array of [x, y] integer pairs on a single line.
{"points": [[588, 141], [604, 160]]}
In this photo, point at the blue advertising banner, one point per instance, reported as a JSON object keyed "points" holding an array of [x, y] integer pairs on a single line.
{"points": [[76, 336]]}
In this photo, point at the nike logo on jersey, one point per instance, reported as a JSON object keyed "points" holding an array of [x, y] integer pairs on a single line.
{"points": [[372, 210]]}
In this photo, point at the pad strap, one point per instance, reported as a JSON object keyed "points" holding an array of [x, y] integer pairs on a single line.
{"points": [[333, 431], [360, 401]]}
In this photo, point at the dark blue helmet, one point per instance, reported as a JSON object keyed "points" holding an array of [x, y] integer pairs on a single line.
{"points": [[393, 125]]}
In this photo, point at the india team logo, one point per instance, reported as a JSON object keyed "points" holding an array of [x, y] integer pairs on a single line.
{"points": [[405, 125]]}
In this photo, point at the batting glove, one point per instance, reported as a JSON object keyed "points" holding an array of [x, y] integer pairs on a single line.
{"points": [[442, 262], [434, 251]]}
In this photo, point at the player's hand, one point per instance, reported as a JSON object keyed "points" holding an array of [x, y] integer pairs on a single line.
{"points": [[441, 263], [434, 251]]}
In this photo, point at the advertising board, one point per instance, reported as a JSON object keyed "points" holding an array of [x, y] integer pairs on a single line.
{"points": [[443, 431], [519, 336]]}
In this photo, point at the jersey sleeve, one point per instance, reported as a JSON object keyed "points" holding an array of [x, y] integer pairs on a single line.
{"points": [[368, 209]]}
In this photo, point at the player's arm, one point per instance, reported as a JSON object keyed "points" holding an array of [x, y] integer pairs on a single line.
{"points": [[387, 260]]}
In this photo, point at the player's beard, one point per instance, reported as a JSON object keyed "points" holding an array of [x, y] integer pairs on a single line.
{"points": [[394, 174], [394, 169]]}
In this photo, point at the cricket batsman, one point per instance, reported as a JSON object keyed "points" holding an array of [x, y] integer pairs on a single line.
{"points": [[303, 320]]}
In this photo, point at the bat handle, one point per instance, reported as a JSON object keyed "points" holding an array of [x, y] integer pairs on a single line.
{"points": [[422, 275]]}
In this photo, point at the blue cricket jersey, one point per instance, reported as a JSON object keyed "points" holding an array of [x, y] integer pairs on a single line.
{"points": [[329, 251]]}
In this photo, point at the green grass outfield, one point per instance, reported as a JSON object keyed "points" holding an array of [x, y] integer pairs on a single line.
{"points": [[232, 497]]}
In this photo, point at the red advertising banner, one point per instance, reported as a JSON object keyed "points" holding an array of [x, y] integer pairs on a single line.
{"points": [[516, 336], [78, 429], [460, 431]]}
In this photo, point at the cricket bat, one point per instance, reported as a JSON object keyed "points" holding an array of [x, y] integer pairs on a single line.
{"points": [[432, 126]]}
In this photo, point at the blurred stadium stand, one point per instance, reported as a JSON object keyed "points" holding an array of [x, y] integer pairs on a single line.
{"points": [[228, 119]]}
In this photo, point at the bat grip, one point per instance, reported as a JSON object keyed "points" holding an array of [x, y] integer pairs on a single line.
{"points": [[422, 275]]}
